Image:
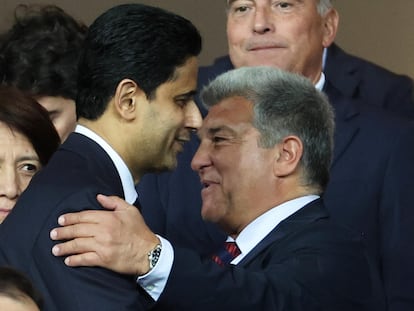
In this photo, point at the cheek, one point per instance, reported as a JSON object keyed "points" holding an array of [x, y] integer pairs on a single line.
{"points": [[24, 182], [236, 33]]}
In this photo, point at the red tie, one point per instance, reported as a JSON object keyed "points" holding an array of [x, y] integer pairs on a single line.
{"points": [[226, 254]]}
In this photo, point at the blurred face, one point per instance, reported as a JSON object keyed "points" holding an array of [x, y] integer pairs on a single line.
{"points": [[62, 112], [290, 34], [24, 304], [233, 169], [18, 163], [171, 116]]}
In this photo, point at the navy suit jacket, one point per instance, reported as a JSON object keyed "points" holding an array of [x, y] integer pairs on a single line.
{"points": [[359, 79], [370, 189], [78, 171], [306, 263]]}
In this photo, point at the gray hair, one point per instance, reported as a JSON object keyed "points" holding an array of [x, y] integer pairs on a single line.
{"points": [[284, 104], [324, 6]]}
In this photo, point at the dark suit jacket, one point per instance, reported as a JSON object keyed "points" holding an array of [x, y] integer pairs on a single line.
{"points": [[306, 263], [362, 80], [370, 190], [76, 173]]}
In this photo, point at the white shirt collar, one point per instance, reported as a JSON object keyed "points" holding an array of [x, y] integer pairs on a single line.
{"points": [[123, 171], [321, 82], [259, 228]]}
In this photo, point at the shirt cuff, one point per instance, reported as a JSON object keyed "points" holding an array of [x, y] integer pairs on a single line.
{"points": [[155, 280]]}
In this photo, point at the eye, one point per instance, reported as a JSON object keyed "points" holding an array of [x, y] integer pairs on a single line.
{"points": [[30, 168], [241, 9], [283, 5], [182, 103], [218, 139]]}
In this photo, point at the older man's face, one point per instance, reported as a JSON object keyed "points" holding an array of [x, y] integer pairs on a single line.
{"points": [[290, 35]]}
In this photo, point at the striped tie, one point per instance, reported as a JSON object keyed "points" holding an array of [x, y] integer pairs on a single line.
{"points": [[226, 254]]}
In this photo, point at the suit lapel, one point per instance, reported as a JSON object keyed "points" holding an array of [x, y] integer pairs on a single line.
{"points": [[342, 71], [347, 120], [307, 214]]}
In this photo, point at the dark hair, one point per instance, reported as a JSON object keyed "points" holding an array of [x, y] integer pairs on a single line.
{"points": [[133, 41], [24, 115], [16, 285], [39, 54]]}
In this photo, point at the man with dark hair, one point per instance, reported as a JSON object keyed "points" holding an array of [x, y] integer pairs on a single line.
{"points": [[371, 180], [263, 160], [39, 55], [137, 78]]}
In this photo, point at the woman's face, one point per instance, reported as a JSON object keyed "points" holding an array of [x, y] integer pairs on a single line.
{"points": [[18, 163]]}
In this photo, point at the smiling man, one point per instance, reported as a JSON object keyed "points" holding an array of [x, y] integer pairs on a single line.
{"points": [[136, 110], [263, 162]]}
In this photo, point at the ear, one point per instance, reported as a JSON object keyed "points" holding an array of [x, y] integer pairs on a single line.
{"points": [[126, 99], [330, 26], [289, 154]]}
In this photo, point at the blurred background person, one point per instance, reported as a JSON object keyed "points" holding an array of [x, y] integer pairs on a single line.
{"points": [[27, 141], [17, 292], [39, 55]]}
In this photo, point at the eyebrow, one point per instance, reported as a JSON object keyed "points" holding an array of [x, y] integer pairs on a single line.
{"points": [[189, 94], [213, 130], [230, 2], [34, 157]]}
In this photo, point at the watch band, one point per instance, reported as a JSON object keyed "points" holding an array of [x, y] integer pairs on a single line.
{"points": [[154, 255]]}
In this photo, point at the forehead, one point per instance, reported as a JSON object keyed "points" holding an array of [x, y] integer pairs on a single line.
{"points": [[232, 110], [186, 73]]}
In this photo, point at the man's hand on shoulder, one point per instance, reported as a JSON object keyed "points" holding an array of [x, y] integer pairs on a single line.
{"points": [[117, 239]]}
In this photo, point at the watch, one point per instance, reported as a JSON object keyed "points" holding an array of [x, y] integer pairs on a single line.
{"points": [[154, 255]]}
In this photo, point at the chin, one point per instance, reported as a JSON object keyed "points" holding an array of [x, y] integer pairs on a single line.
{"points": [[166, 166]]}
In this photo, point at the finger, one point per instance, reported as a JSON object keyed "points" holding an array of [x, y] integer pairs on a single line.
{"points": [[112, 202], [74, 247], [88, 216], [74, 231], [87, 259]]}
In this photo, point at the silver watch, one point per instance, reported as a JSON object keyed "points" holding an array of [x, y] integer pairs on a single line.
{"points": [[154, 255]]}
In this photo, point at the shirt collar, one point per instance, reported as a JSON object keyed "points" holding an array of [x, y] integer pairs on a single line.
{"points": [[259, 228], [123, 171], [321, 82]]}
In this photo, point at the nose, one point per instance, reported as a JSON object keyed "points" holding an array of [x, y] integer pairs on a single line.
{"points": [[262, 21], [9, 183], [201, 158], [193, 119]]}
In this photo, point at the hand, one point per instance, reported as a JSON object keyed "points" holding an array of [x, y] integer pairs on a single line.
{"points": [[117, 239]]}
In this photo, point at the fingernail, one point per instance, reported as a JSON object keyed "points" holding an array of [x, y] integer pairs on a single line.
{"points": [[61, 220], [67, 261], [53, 234], [55, 250]]}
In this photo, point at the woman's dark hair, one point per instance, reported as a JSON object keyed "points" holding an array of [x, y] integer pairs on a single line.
{"points": [[24, 115], [39, 54], [16, 285]]}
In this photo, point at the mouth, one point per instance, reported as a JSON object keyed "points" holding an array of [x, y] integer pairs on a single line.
{"points": [[260, 46], [207, 183], [5, 211]]}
